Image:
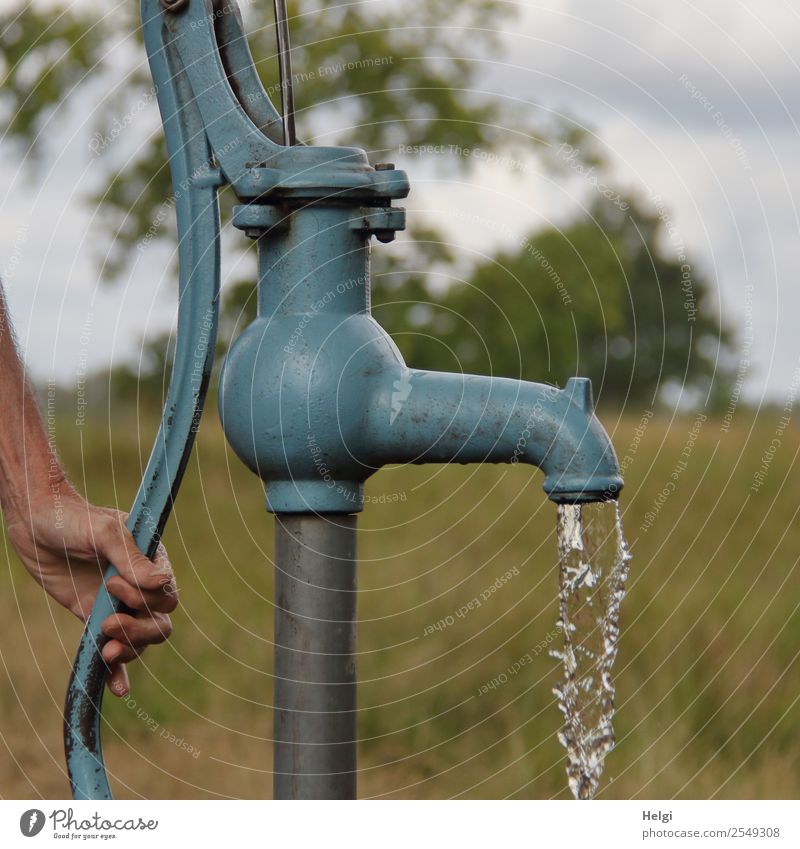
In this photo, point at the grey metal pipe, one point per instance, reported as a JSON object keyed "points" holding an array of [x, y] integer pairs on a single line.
{"points": [[315, 665]]}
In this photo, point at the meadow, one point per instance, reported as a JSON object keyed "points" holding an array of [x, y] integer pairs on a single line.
{"points": [[707, 674]]}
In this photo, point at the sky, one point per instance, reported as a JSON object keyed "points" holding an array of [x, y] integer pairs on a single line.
{"points": [[695, 103]]}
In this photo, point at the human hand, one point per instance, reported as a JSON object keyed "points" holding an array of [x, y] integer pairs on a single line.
{"points": [[66, 543]]}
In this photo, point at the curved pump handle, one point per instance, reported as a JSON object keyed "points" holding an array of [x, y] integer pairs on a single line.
{"points": [[198, 58]]}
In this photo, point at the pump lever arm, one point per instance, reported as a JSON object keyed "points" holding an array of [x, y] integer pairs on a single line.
{"points": [[195, 181], [216, 71]]}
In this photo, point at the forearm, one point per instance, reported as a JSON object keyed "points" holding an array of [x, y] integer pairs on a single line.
{"points": [[29, 466], [61, 538]]}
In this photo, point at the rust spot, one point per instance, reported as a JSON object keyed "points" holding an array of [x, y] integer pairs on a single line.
{"points": [[82, 711]]}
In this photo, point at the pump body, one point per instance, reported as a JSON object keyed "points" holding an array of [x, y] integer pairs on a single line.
{"points": [[315, 397]]}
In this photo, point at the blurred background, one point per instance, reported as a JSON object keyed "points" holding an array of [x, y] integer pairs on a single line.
{"points": [[598, 189]]}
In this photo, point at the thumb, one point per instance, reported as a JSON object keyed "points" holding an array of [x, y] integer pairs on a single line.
{"points": [[115, 542]]}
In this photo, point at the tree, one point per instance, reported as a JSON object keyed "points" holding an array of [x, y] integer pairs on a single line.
{"points": [[380, 74], [600, 297]]}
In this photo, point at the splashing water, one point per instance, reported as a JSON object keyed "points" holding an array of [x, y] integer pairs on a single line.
{"points": [[594, 569]]}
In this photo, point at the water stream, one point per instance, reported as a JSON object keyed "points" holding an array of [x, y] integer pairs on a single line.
{"points": [[594, 569]]}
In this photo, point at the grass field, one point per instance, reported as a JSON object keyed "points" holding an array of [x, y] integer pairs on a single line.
{"points": [[708, 672]]}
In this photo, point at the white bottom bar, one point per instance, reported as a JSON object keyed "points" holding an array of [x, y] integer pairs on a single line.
{"points": [[405, 825]]}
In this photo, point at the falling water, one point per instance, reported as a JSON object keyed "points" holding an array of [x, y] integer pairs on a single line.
{"points": [[594, 569]]}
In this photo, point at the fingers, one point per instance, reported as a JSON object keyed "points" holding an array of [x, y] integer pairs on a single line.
{"points": [[162, 600], [117, 681], [121, 652], [129, 635], [114, 542], [142, 585]]}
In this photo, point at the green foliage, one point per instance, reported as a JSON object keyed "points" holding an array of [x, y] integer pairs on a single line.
{"points": [[382, 74], [45, 54], [601, 296]]}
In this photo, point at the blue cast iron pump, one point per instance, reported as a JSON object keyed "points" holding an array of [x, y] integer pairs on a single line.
{"points": [[314, 395]]}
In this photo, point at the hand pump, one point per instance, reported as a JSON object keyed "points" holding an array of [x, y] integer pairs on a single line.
{"points": [[314, 395]]}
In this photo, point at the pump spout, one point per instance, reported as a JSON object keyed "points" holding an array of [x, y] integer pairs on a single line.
{"points": [[435, 417]]}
